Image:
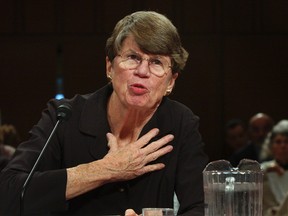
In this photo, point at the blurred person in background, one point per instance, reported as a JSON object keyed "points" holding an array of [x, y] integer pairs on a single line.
{"points": [[235, 137], [8, 143], [275, 185], [10, 135], [258, 127]]}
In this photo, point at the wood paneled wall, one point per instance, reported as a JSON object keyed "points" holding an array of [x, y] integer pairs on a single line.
{"points": [[237, 67]]}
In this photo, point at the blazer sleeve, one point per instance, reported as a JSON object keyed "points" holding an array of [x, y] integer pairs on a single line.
{"points": [[192, 160], [46, 190]]}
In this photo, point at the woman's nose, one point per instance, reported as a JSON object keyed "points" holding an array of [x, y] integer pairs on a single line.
{"points": [[143, 68]]}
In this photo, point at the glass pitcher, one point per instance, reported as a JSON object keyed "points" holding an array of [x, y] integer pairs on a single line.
{"points": [[233, 191]]}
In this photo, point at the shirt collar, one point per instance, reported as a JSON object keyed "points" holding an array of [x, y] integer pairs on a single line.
{"points": [[93, 120]]}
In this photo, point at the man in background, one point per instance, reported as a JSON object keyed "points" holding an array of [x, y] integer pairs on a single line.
{"points": [[259, 126], [235, 136]]}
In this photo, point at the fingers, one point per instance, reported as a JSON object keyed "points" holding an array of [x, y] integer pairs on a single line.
{"points": [[152, 151], [154, 146], [112, 141], [130, 212], [151, 168], [142, 141], [132, 160], [155, 149], [155, 154]]}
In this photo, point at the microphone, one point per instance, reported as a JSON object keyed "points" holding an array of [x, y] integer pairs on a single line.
{"points": [[63, 113]]}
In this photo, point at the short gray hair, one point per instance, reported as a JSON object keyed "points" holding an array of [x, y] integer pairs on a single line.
{"points": [[153, 32]]}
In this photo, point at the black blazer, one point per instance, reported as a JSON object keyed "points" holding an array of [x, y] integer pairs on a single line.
{"points": [[82, 139]]}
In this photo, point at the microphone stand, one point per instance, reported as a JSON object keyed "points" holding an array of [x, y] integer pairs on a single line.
{"points": [[63, 113]]}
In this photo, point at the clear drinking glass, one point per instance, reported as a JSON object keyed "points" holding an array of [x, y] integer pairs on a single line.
{"points": [[233, 191], [157, 212]]}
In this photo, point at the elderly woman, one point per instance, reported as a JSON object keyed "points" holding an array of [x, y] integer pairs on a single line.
{"points": [[126, 146], [275, 189]]}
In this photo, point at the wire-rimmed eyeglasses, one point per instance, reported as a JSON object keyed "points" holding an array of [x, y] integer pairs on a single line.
{"points": [[157, 65]]}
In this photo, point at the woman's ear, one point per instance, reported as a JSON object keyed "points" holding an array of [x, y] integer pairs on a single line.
{"points": [[108, 68], [171, 84], [172, 81]]}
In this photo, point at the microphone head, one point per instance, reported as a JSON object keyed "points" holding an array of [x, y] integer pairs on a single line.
{"points": [[64, 112]]}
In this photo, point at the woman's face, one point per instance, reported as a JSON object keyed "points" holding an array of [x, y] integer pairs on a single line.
{"points": [[279, 148], [138, 88]]}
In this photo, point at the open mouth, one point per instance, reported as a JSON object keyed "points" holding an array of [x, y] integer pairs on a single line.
{"points": [[138, 89]]}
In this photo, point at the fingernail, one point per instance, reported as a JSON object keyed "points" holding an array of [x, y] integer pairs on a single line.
{"points": [[171, 137], [157, 131]]}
